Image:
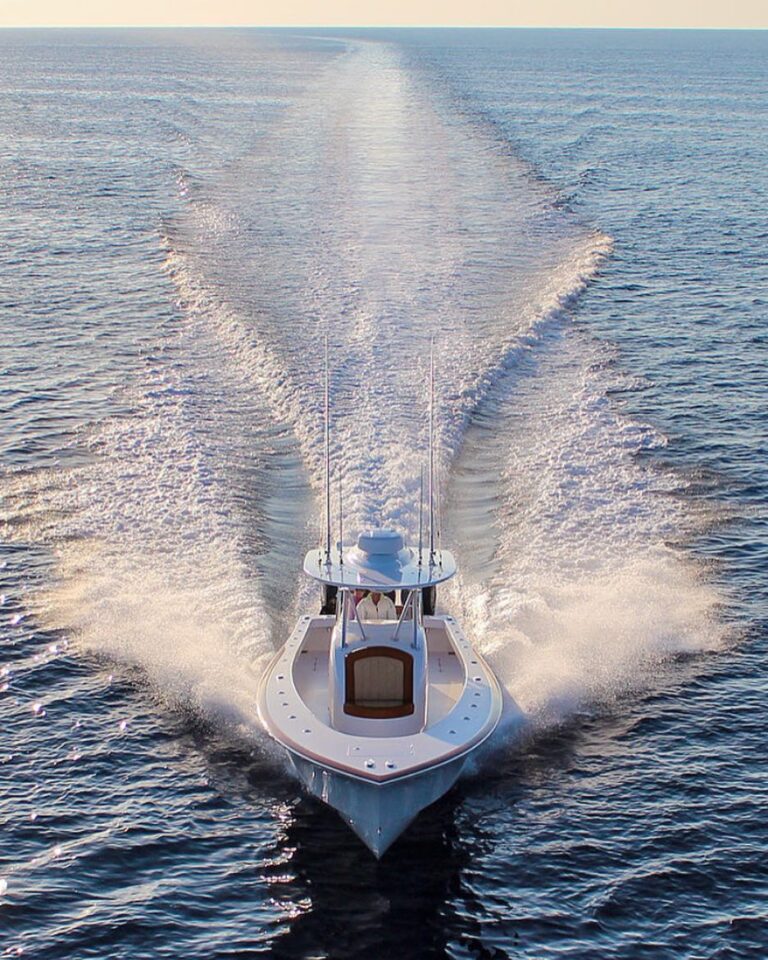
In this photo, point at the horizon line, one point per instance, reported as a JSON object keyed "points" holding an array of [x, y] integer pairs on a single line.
{"points": [[363, 26]]}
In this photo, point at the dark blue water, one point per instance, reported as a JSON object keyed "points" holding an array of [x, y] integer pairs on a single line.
{"points": [[577, 220]]}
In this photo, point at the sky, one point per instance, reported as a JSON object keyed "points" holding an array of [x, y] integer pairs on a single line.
{"points": [[520, 13]]}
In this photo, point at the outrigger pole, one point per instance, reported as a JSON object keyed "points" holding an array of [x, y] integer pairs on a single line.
{"points": [[421, 515], [439, 516], [432, 452], [341, 516], [327, 460]]}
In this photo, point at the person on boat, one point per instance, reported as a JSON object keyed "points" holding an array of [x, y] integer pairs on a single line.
{"points": [[357, 596], [376, 606]]}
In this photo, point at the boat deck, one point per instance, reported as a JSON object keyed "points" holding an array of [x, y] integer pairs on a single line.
{"points": [[445, 680], [463, 707]]}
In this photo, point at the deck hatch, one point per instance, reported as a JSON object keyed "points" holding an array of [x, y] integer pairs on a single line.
{"points": [[378, 683]]}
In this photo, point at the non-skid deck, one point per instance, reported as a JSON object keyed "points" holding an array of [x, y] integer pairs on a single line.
{"points": [[445, 680], [464, 705]]}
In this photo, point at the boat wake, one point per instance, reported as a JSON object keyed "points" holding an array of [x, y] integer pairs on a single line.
{"points": [[575, 578], [373, 215]]}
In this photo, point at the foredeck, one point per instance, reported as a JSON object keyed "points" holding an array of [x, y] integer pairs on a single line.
{"points": [[464, 705], [445, 681]]}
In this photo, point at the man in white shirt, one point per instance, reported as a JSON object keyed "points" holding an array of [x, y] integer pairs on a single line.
{"points": [[376, 606]]}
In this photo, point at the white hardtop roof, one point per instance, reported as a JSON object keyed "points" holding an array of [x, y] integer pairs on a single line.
{"points": [[380, 559]]}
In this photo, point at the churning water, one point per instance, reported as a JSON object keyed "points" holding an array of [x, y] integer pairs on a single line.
{"points": [[575, 219]]}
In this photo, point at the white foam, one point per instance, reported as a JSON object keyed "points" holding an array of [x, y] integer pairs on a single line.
{"points": [[158, 563], [369, 218], [582, 594]]}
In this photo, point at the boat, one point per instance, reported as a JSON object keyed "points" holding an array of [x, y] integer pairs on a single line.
{"points": [[378, 699], [379, 717]]}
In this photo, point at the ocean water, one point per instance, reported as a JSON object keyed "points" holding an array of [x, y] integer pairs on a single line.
{"points": [[576, 220]]}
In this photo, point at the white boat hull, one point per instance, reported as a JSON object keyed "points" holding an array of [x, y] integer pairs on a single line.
{"points": [[377, 812], [379, 781]]}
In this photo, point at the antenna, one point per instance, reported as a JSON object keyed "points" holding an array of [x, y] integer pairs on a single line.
{"points": [[341, 517], [432, 451], [421, 515], [439, 512], [327, 460]]}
